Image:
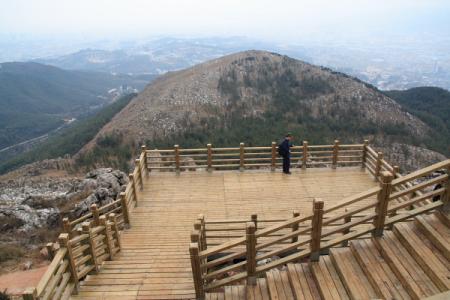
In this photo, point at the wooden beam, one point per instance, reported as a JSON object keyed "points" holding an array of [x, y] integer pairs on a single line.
{"points": [[378, 164], [295, 214], [133, 186], [87, 229], [113, 219], [95, 214], [125, 211], [241, 157], [196, 271], [251, 252], [335, 154], [64, 241], [137, 164], [209, 158], [108, 237], [316, 229], [364, 154], [382, 205], [177, 158], [144, 151], [273, 157], [305, 154]]}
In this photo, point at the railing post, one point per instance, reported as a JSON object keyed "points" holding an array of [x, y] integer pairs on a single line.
{"points": [[378, 165], [347, 219], [29, 294], [396, 171], [113, 219], [335, 154], [295, 226], [124, 205], [201, 219], [95, 214], [108, 237], [316, 229], [144, 151], [364, 154], [196, 271], [251, 253], [137, 164], [87, 229], [133, 185], [50, 250], [305, 154], [254, 219], [273, 162], [382, 205], [177, 158], [64, 241], [209, 159], [241, 157], [67, 228], [446, 196]]}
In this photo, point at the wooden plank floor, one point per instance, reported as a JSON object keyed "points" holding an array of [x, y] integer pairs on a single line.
{"points": [[154, 261]]}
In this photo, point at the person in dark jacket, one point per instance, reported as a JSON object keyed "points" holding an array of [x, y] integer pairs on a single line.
{"points": [[285, 151]]}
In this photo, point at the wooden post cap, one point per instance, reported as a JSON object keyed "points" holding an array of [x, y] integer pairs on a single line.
{"points": [[366, 142], [250, 228], [336, 141], [295, 213], [193, 248], [86, 226], [208, 145], [194, 236], [318, 203], [380, 154], [273, 143], [386, 176], [305, 143], [63, 239], [197, 225], [131, 176], [94, 206]]}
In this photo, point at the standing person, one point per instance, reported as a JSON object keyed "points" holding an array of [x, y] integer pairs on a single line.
{"points": [[285, 151]]}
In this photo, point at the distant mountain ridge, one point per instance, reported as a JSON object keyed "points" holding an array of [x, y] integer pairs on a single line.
{"points": [[35, 98], [256, 97]]}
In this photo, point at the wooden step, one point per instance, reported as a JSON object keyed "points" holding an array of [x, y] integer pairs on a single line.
{"points": [[436, 231], [279, 285], [416, 282], [378, 272], [258, 291], [327, 279], [214, 296], [302, 282], [423, 255], [351, 274], [235, 292]]}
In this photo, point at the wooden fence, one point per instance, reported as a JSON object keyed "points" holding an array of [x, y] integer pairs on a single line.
{"points": [[396, 199], [88, 241], [242, 157]]}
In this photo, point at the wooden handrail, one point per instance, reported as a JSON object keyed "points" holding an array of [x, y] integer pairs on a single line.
{"points": [[377, 216]]}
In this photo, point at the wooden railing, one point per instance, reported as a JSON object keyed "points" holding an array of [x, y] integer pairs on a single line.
{"points": [[301, 237], [242, 157], [88, 241]]}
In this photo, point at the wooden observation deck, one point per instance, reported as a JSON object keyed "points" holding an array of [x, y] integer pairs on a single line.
{"points": [[223, 223]]}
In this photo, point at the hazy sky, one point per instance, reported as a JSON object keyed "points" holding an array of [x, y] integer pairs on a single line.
{"points": [[283, 20]]}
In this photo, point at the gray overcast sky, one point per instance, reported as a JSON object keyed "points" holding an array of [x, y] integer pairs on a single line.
{"points": [[283, 20]]}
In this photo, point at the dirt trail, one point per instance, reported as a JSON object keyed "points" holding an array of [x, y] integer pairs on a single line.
{"points": [[16, 283]]}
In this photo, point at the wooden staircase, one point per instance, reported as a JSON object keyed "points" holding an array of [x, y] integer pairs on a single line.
{"points": [[412, 261]]}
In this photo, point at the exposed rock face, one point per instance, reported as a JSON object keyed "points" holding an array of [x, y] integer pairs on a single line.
{"points": [[35, 202], [410, 158]]}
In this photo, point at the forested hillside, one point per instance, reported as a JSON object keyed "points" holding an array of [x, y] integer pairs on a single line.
{"points": [[70, 140], [432, 106], [35, 98]]}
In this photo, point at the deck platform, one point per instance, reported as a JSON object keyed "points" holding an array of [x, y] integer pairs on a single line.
{"points": [[154, 262]]}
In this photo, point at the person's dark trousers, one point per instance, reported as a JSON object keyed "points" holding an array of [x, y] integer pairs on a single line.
{"points": [[286, 163]]}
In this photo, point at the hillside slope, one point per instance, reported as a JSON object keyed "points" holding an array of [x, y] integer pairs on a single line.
{"points": [[432, 106], [256, 97], [35, 98]]}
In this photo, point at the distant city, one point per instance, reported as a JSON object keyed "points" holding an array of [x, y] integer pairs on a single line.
{"points": [[391, 63]]}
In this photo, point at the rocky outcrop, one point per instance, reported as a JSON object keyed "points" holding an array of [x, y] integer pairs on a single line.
{"points": [[39, 202]]}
